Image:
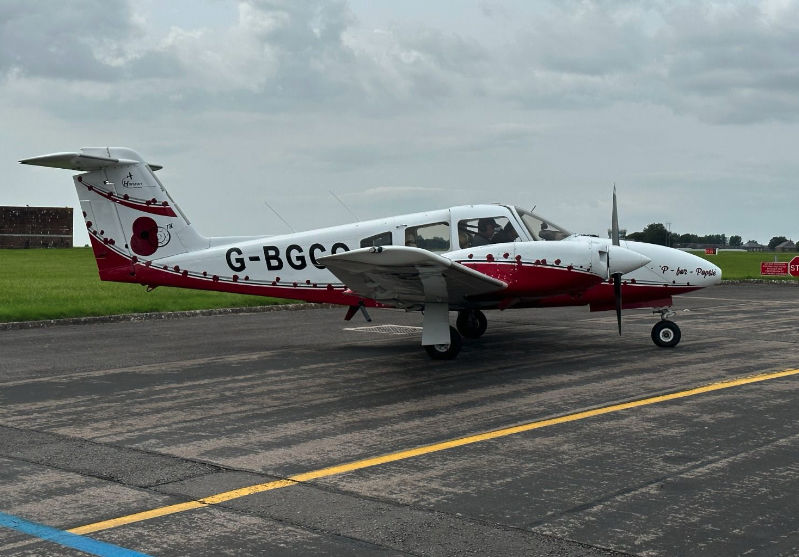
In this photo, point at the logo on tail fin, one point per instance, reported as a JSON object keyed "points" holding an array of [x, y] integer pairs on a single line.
{"points": [[128, 182], [148, 236]]}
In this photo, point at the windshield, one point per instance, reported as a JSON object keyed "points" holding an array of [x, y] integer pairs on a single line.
{"points": [[541, 229]]}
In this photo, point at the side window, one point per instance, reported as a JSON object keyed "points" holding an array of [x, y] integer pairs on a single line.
{"points": [[484, 231], [433, 237], [382, 239]]}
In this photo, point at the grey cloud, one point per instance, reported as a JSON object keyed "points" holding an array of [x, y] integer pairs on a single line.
{"points": [[736, 67], [58, 40], [727, 62]]}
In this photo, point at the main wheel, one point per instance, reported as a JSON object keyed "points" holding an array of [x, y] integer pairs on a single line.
{"points": [[666, 334], [471, 323], [446, 351]]}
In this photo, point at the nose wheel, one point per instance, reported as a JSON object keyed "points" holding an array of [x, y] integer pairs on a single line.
{"points": [[665, 333]]}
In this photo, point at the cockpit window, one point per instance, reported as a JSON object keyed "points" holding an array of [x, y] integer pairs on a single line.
{"points": [[484, 231], [541, 229]]}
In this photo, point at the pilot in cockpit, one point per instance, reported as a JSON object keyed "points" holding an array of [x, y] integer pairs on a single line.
{"points": [[485, 232]]}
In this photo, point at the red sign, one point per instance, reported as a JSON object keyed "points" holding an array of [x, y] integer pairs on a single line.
{"points": [[776, 268], [710, 251], [793, 267]]}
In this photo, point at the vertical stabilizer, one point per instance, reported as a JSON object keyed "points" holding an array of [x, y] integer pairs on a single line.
{"points": [[129, 214]]}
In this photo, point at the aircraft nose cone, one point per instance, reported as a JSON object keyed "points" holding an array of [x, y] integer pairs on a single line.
{"points": [[623, 260]]}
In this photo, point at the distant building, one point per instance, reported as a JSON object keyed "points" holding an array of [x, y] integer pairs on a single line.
{"points": [[35, 227], [787, 245], [751, 245]]}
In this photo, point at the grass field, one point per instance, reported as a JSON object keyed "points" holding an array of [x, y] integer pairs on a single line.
{"points": [[50, 284], [54, 283], [736, 265]]}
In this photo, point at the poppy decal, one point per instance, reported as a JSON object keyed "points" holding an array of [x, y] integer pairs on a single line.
{"points": [[148, 236]]}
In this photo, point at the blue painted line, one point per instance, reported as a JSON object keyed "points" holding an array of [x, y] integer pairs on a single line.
{"points": [[67, 539]]}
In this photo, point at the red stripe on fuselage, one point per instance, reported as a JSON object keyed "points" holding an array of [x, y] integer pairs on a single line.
{"points": [[111, 264], [528, 284], [534, 281]]}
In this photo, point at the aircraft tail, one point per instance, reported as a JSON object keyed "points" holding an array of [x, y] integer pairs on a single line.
{"points": [[129, 214]]}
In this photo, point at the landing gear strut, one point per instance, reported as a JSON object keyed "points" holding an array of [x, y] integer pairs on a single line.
{"points": [[471, 323], [665, 333]]}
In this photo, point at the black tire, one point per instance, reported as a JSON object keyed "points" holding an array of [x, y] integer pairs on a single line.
{"points": [[471, 323], [666, 334], [446, 351]]}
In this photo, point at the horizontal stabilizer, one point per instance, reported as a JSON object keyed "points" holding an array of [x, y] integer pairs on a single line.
{"points": [[81, 162]]}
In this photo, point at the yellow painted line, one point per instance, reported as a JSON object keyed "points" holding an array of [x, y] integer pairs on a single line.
{"points": [[419, 451]]}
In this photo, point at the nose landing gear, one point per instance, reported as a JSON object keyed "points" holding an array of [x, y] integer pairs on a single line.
{"points": [[665, 333]]}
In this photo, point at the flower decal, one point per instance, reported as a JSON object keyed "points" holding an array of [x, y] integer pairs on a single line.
{"points": [[146, 236]]}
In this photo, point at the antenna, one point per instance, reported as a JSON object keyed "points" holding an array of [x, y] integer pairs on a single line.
{"points": [[343, 205], [278, 216]]}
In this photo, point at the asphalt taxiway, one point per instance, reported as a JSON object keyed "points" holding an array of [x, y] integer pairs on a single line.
{"points": [[296, 433]]}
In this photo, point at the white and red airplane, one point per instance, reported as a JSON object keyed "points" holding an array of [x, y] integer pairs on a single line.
{"points": [[466, 259]]}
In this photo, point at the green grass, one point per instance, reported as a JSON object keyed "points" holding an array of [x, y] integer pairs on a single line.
{"points": [[55, 283], [736, 265]]}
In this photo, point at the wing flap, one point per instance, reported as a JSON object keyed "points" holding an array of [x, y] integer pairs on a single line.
{"points": [[405, 276]]}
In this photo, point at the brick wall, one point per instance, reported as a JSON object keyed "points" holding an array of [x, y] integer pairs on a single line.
{"points": [[35, 227]]}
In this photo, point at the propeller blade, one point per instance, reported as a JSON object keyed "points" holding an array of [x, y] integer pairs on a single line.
{"points": [[614, 236], [614, 221], [617, 295]]}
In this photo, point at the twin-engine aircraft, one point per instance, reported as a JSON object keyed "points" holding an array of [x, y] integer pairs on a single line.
{"points": [[465, 259]]}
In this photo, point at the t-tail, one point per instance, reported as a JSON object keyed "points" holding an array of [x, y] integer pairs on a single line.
{"points": [[128, 212]]}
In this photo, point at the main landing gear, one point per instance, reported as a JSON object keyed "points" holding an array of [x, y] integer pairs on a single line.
{"points": [[665, 333], [446, 351], [471, 323]]}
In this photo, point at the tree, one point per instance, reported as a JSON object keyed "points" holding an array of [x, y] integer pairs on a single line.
{"points": [[655, 233], [736, 241], [776, 241]]}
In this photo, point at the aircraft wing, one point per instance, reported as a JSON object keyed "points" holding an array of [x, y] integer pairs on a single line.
{"points": [[406, 276]]}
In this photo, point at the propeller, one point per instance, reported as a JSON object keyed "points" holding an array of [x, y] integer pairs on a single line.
{"points": [[614, 238]]}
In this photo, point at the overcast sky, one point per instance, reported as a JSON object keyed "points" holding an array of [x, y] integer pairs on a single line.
{"points": [[691, 108]]}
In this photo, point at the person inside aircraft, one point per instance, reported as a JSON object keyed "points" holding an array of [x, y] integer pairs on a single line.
{"points": [[464, 236], [545, 233], [485, 232], [505, 234]]}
